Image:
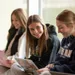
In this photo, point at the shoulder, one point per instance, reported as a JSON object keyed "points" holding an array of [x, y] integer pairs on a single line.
{"points": [[23, 36], [22, 29], [22, 40], [12, 30], [54, 38]]}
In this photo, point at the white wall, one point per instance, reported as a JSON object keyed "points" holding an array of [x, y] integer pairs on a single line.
{"points": [[6, 8], [34, 7]]}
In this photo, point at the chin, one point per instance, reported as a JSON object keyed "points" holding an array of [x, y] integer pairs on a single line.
{"points": [[16, 28], [66, 36], [38, 37]]}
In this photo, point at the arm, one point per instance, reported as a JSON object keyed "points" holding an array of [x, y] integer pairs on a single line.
{"points": [[56, 46], [65, 65]]}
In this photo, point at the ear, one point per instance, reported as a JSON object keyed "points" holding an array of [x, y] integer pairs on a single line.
{"points": [[73, 26]]}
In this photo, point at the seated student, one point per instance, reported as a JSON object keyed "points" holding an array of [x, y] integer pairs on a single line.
{"points": [[65, 60], [39, 44], [17, 29]]}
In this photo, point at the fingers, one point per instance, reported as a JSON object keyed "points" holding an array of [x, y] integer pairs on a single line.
{"points": [[42, 70], [50, 66]]}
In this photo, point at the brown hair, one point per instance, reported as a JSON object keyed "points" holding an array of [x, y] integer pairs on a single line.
{"points": [[30, 40], [66, 16]]}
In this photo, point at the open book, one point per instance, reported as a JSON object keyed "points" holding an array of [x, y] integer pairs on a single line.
{"points": [[26, 63]]}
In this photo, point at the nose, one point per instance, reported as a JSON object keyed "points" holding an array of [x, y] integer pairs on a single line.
{"points": [[35, 31], [59, 30]]}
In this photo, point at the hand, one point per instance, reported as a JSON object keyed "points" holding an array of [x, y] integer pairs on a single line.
{"points": [[10, 61], [7, 63], [50, 66], [42, 70]]}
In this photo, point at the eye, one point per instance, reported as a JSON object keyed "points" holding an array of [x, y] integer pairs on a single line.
{"points": [[38, 27], [60, 27], [16, 20], [31, 29]]}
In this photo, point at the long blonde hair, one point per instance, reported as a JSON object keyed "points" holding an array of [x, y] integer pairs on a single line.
{"points": [[29, 38], [21, 16]]}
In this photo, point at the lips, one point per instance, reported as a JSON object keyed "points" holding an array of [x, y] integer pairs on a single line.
{"points": [[37, 36]]}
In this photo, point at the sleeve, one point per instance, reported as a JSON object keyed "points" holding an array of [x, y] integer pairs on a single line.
{"points": [[56, 46], [66, 68]]}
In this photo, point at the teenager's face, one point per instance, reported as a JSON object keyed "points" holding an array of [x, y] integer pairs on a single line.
{"points": [[63, 28], [36, 29], [15, 22]]}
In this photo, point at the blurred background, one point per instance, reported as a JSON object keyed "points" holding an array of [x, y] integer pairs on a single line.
{"points": [[47, 9]]}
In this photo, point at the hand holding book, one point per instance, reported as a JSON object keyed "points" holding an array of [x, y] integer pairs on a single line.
{"points": [[4, 61], [28, 66], [26, 63]]}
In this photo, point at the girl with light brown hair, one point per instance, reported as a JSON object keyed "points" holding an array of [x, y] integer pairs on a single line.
{"points": [[16, 31]]}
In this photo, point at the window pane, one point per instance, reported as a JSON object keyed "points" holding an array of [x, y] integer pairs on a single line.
{"points": [[51, 8]]}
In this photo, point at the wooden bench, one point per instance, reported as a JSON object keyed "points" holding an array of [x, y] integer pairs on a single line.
{"points": [[60, 73]]}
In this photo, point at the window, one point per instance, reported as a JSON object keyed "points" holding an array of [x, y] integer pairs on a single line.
{"points": [[51, 8], [6, 8]]}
